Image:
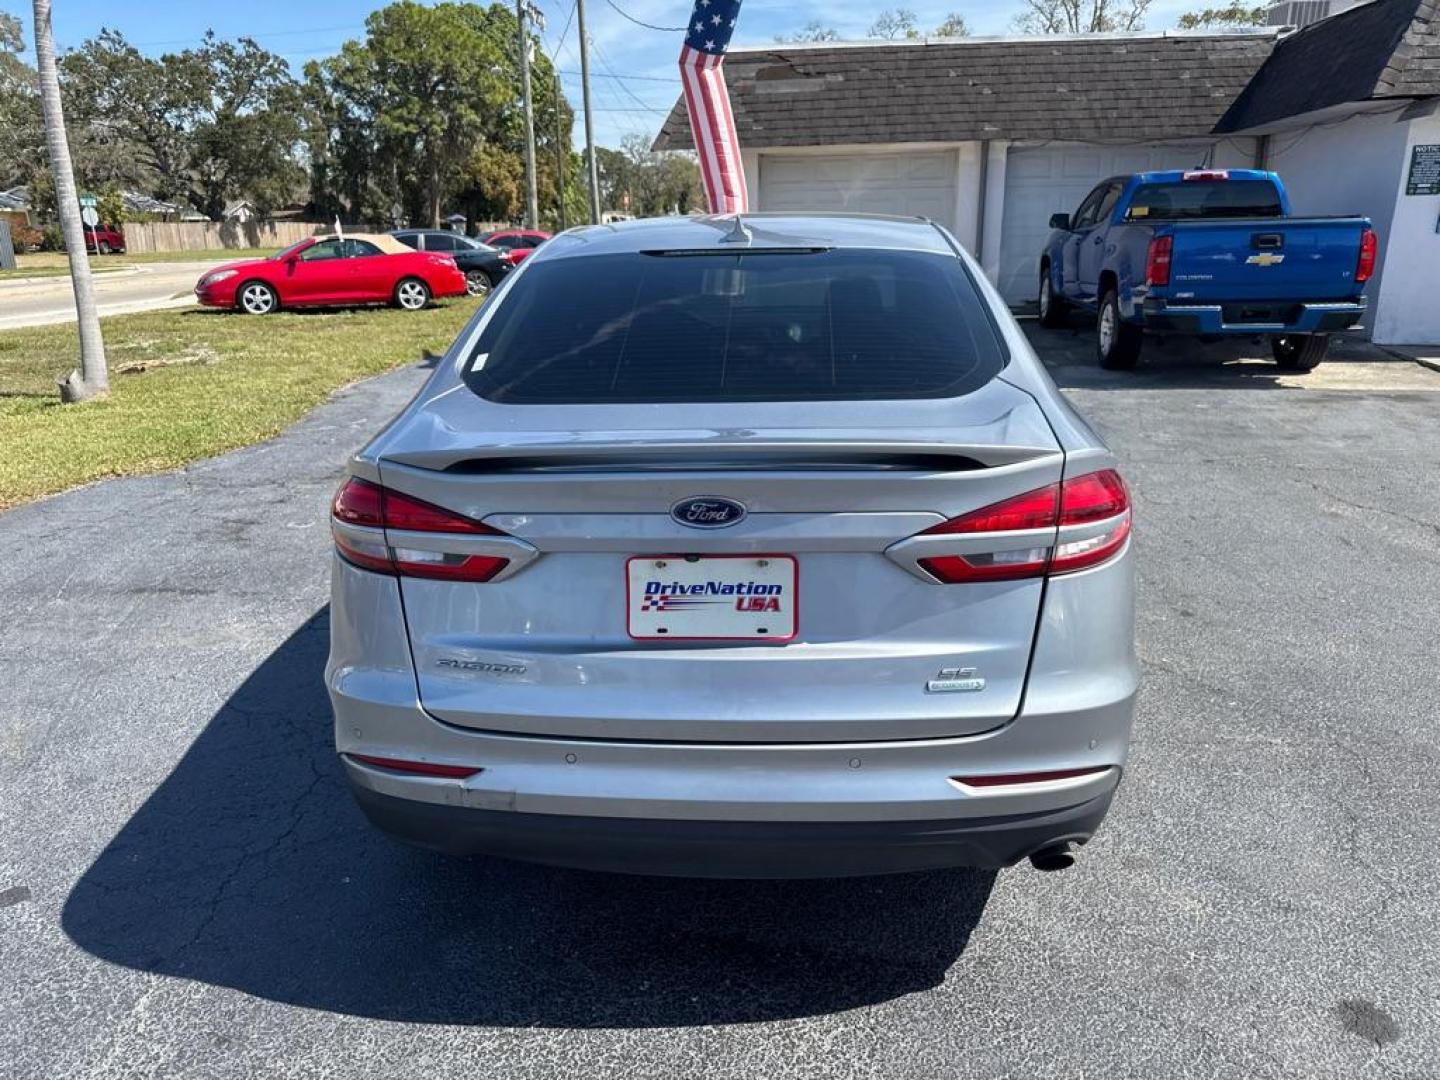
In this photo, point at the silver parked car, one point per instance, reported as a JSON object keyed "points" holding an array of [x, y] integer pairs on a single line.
{"points": [[756, 547]]}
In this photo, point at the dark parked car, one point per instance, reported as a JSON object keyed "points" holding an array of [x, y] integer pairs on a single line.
{"points": [[483, 265]]}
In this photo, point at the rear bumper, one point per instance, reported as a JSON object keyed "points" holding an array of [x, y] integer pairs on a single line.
{"points": [[450, 285], [733, 849], [1315, 318], [746, 809]]}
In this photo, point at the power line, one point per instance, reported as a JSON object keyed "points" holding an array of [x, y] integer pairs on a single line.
{"points": [[638, 78], [648, 26], [555, 52], [605, 63]]}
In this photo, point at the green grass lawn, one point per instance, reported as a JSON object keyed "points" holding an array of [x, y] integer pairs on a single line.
{"points": [[53, 263], [189, 384]]}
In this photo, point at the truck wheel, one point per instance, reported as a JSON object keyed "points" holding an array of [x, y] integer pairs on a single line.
{"points": [[1053, 310], [104, 248], [1119, 342], [1299, 352]]}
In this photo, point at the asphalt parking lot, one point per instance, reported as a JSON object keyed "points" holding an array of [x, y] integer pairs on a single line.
{"points": [[187, 890]]}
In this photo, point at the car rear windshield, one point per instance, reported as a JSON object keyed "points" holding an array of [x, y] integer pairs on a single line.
{"points": [[792, 326], [1205, 199]]}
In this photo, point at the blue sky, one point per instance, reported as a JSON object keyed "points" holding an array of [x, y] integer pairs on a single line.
{"points": [[632, 68]]}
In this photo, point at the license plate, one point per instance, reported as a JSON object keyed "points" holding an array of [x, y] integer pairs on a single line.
{"points": [[711, 597]]}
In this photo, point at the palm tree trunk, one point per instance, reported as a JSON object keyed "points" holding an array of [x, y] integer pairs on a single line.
{"points": [[93, 379]]}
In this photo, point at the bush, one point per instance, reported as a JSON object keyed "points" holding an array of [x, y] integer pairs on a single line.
{"points": [[111, 208], [52, 239], [26, 238]]}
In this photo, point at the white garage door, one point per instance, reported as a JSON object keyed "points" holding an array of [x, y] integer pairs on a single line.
{"points": [[909, 184], [1042, 180]]}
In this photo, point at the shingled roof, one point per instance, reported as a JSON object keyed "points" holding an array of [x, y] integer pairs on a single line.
{"points": [[1383, 49], [1090, 87]]}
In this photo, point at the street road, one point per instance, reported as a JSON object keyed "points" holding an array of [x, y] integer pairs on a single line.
{"points": [[186, 889], [145, 287]]}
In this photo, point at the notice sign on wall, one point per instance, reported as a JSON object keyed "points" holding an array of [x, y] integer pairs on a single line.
{"points": [[1424, 170]]}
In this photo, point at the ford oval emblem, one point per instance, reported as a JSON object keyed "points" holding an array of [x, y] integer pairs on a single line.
{"points": [[707, 513]]}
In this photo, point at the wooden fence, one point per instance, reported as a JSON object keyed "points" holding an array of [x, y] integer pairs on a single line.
{"points": [[142, 237]]}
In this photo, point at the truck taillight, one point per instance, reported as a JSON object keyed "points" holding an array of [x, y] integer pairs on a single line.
{"points": [[1369, 249], [1157, 261], [368, 523], [1072, 526], [1204, 176]]}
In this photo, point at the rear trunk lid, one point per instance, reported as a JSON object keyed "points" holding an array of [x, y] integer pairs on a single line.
{"points": [[878, 653], [1265, 259]]}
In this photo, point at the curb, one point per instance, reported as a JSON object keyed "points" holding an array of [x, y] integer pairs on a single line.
{"points": [[1431, 362], [119, 271]]}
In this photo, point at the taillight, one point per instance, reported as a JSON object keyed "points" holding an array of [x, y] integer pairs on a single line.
{"points": [[370, 506], [1205, 176], [1369, 248], [1033, 510], [1157, 262], [1057, 529], [1092, 499]]}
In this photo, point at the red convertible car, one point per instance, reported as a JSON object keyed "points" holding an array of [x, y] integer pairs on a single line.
{"points": [[331, 270]]}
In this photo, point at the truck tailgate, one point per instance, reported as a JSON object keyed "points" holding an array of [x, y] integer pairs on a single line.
{"points": [[1273, 259]]}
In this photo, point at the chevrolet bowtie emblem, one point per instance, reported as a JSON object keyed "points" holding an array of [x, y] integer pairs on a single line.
{"points": [[1265, 258]]}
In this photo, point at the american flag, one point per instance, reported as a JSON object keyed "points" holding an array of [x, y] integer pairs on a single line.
{"points": [[708, 101]]}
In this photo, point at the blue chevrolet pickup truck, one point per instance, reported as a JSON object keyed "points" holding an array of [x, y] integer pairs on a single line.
{"points": [[1205, 252]]}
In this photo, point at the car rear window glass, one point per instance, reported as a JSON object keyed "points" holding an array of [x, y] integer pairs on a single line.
{"points": [[825, 325], [1205, 199]]}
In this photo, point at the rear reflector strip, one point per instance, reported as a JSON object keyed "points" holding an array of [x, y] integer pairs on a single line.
{"points": [[1013, 779], [419, 768]]}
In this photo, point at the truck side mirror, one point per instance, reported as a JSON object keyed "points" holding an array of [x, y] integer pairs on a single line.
{"points": [[1060, 221]]}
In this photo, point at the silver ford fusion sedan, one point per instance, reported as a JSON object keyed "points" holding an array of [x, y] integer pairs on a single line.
{"points": [[757, 547]]}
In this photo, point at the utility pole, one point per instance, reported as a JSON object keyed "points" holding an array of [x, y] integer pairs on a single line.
{"points": [[526, 9], [560, 155], [589, 121], [93, 378]]}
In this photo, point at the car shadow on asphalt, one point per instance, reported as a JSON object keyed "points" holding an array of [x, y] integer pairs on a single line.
{"points": [[249, 867]]}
